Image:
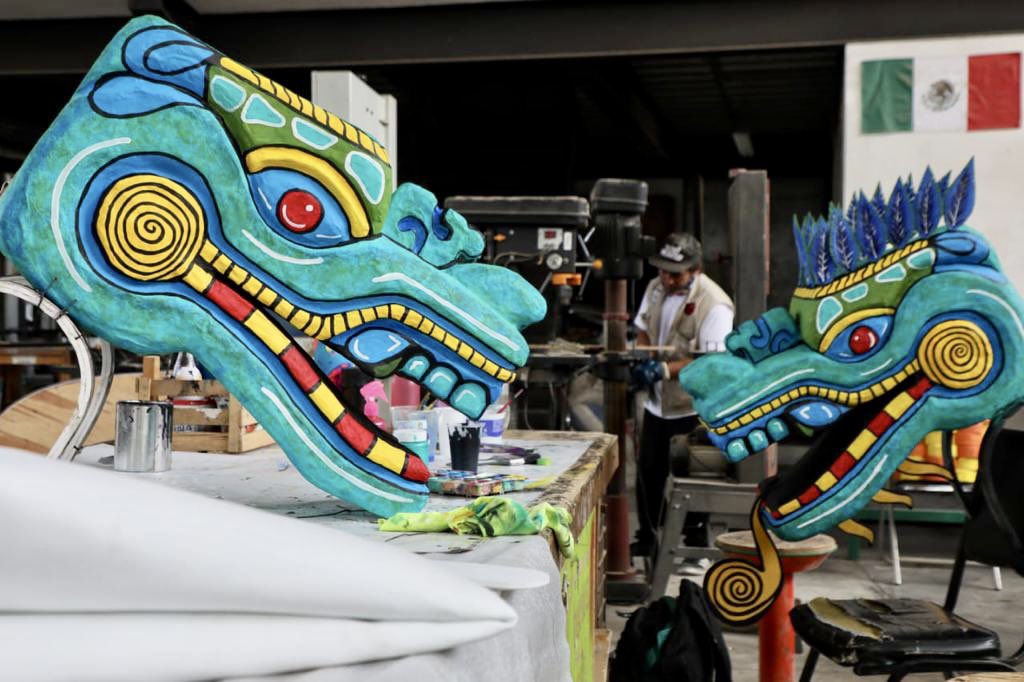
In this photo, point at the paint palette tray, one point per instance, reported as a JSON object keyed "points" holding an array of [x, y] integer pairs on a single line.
{"points": [[469, 484]]}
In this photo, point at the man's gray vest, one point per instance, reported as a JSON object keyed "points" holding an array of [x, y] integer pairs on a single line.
{"points": [[705, 294]]}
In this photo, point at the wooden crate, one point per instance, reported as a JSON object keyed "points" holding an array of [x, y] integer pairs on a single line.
{"points": [[232, 430]]}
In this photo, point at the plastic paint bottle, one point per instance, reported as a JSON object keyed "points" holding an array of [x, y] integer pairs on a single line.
{"points": [[372, 393], [415, 440], [404, 392]]}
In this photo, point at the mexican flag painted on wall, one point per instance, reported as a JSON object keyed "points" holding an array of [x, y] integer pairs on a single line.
{"points": [[976, 92]]}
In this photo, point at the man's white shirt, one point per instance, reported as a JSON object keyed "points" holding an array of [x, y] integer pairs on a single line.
{"points": [[710, 336]]}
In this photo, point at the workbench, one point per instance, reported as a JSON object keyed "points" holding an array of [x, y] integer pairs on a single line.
{"points": [[15, 357], [560, 628]]}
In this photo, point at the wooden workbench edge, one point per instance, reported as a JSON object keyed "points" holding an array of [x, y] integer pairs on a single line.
{"points": [[580, 487]]}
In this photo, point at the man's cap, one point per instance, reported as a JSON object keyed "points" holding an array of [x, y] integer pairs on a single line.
{"points": [[680, 252]]}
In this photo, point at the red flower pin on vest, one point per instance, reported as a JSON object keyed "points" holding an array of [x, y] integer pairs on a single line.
{"points": [[689, 308]]}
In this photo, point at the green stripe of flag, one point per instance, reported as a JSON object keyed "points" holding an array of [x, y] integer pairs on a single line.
{"points": [[886, 102]]}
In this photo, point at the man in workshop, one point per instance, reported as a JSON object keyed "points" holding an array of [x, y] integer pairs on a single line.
{"points": [[684, 311]]}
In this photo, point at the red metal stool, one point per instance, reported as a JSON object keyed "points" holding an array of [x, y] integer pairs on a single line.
{"points": [[776, 638]]}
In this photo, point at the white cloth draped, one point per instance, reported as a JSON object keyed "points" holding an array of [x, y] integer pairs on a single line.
{"points": [[107, 577]]}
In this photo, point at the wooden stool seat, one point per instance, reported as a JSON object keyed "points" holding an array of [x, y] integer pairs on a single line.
{"points": [[796, 556], [775, 634]]}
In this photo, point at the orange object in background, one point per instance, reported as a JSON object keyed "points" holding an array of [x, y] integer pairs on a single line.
{"points": [[968, 443], [966, 450]]}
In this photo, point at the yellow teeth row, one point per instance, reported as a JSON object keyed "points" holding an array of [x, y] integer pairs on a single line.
{"points": [[851, 398], [325, 327]]}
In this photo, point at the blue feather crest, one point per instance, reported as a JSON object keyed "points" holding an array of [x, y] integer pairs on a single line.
{"points": [[943, 184], [959, 198], [870, 228], [844, 251], [821, 259], [929, 204], [830, 247], [878, 200], [851, 210], [900, 215]]}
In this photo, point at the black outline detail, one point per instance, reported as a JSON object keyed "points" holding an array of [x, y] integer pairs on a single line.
{"points": [[129, 74], [159, 46]]}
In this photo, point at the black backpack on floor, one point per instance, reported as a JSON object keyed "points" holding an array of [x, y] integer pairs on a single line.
{"points": [[672, 639]]}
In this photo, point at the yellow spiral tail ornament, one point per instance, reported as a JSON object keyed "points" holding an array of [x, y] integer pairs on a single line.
{"points": [[956, 354], [739, 591], [150, 227]]}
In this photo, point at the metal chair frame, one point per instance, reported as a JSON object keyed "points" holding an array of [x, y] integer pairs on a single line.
{"points": [[948, 665]]}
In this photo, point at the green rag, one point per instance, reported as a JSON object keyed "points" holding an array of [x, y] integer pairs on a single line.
{"points": [[489, 517]]}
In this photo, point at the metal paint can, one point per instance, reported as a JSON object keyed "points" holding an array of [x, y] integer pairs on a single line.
{"points": [[143, 439]]}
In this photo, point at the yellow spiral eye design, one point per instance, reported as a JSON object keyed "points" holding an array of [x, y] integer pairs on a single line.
{"points": [[150, 227], [956, 354]]}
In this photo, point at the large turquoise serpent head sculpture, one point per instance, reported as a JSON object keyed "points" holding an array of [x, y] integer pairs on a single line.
{"points": [[903, 323], [182, 201]]}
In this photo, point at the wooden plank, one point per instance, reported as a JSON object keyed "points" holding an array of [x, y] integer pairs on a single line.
{"points": [[238, 431], [36, 355], [201, 416], [749, 238], [257, 438], [234, 425], [172, 388], [199, 441], [151, 367], [35, 421], [602, 652], [246, 417]]}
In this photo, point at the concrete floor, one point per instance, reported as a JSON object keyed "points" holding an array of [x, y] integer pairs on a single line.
{"points": [[840, 578]]}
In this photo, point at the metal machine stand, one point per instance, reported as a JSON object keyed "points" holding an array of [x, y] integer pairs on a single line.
{"points": [[684, 495], [93, 391]]}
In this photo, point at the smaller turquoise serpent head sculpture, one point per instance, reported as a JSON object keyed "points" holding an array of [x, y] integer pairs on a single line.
{"points": [[182, 201], [903, 323]]}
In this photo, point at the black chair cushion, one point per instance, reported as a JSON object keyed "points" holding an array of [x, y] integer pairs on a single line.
{"points": [[874, 634]]}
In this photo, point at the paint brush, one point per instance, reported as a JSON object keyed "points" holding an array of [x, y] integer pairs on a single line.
{"points": [[509, 401]]}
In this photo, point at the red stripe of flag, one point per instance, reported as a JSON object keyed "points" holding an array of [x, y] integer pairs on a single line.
{"points": [[993, 91], [229, 300]]}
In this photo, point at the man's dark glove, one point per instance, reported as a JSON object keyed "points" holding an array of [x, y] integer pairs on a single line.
{"points": [[646, 374]]}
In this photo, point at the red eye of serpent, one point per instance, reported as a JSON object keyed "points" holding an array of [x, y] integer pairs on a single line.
{"points": [[299, 211], [862, 340]]}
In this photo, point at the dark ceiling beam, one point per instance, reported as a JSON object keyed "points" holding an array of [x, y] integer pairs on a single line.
{"points": [[617, 91], [579, 29], [533, 30], [177, 11]]}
